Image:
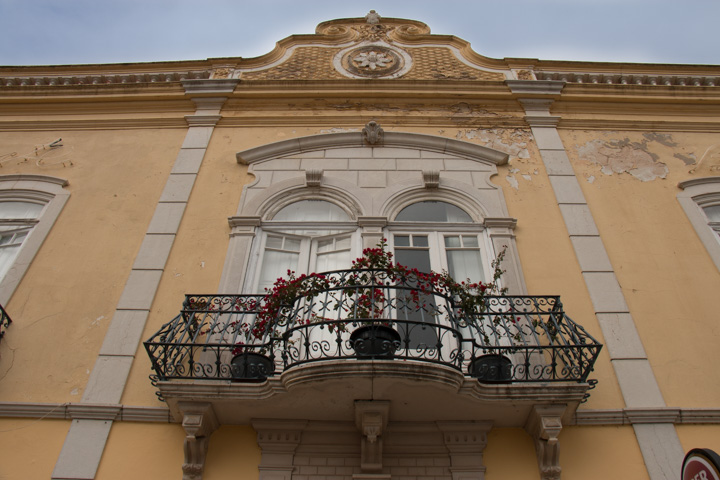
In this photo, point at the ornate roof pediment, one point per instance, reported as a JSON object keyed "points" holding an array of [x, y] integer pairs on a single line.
{"points": [[372, 47]]}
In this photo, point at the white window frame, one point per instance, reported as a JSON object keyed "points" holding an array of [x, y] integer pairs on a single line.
{"points": [[436, 236], [37, 189], [697, 194], [307, 253]]}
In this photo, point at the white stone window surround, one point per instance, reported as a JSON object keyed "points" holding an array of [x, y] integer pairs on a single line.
{"points": [[40, 189], [281, 171], [697, 194]]}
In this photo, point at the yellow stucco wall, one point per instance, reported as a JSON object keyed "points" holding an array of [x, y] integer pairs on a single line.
{"points": [[699, 436], [233, 453], [601, 452], [143, 450], [30, 447], [64, 304], [667, 276]]}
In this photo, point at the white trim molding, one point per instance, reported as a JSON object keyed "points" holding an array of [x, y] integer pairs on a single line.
{"points": [[39, 188], [697, 194]]}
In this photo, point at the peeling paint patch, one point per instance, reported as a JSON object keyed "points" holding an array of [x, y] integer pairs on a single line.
{"points": [[591, 179], [624, 156], [527, 177], [512, 142], [512, 181], [688, 159], [662, 138]]}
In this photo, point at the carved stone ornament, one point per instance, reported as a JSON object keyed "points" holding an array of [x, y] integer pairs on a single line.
{"points": [[199, 422], [372, 61], [431, 178], [373, 134], [371, 417], [372, 17], [313, 177], [544, 425]]}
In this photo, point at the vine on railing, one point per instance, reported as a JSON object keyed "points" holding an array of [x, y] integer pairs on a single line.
{"points": [[375, 310]]}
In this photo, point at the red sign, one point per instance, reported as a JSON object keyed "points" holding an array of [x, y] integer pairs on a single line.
{"points": [[701, 464]]}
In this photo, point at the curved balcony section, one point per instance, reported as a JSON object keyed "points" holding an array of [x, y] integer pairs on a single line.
{"points": [[361, 315]]}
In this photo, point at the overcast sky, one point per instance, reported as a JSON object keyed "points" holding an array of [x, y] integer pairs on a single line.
{"points": [[56, 32]]}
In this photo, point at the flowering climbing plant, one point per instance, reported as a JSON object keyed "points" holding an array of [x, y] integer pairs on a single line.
{"points": [[369, 293]]}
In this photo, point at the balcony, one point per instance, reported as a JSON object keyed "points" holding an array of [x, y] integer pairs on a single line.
{"points": [[358, 334]]}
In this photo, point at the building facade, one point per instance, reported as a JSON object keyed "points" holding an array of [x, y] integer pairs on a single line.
{"points": [[146, 208]]}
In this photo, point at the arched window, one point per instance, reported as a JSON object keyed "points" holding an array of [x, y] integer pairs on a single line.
{"points": [[305, 236], [700, 199], [17, 220], [435, 235]]}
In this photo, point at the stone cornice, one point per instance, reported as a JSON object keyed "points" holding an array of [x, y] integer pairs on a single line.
{"points": [[536, 87], [355, 139], [99, 79], [619, 416], [628, 416], [632, 79]]}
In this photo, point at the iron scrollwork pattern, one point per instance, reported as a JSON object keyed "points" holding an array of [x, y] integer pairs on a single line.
{"points": [[511, 339]]}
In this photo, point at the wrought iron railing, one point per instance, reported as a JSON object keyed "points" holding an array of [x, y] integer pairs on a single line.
{"points": [[5, 321], [505, 339]]}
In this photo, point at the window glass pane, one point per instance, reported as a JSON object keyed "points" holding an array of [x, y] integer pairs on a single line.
{"points": [[432, 211], [420, 240], [452, 241], [311, 211], [274, 242], [413, 258], [402, 240], [275, 265], [292, 244], [20, 210], [465, 264], [7, 257], [332, 261], [713, 213], [470, 241], [342, 243], [325, 245]]}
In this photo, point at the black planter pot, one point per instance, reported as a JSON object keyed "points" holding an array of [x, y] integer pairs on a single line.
{"points": [[375, 341], [492, 368], [251, 366]]}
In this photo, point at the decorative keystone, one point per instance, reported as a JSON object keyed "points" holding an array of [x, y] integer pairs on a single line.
{"points": [[431, 178], [313, 178], [373, 134]]}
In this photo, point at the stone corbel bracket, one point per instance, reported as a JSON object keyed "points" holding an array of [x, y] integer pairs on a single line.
{"points": [[371, 417], [199, 422], [544, 425]]}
